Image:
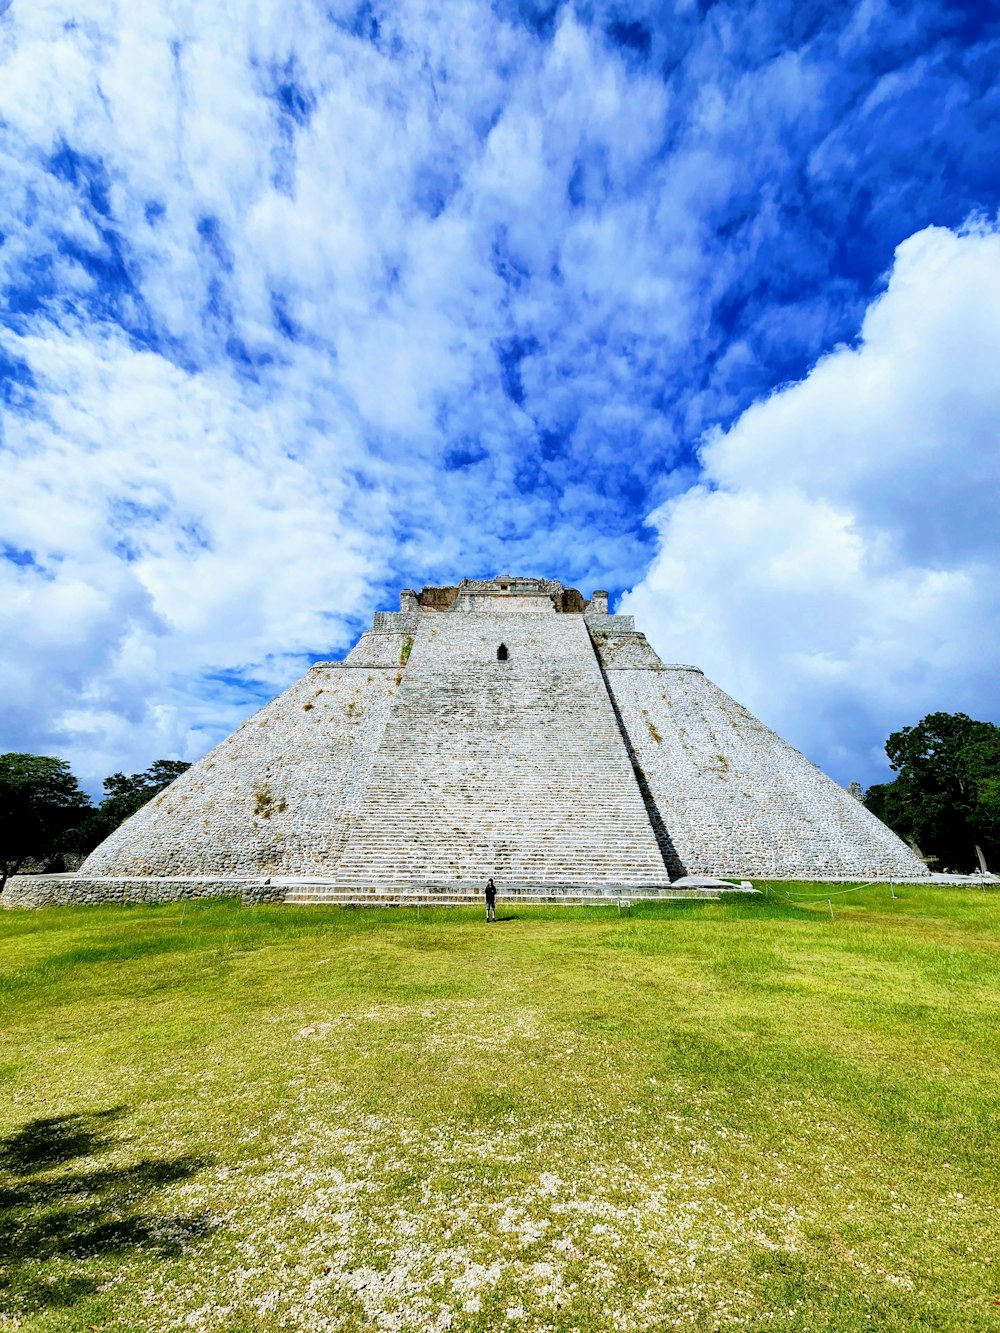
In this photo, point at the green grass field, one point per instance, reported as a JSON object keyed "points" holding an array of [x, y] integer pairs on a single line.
{"points": [[734, 1115]]}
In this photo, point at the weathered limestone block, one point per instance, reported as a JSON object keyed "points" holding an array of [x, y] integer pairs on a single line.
{"points": [[605, 624], [276, 797], [78, 890], [622, 649], [734, 797], [402, 622], [384, 648]]}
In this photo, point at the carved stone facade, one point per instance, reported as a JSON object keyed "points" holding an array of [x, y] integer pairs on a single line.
{"points": [[573, 759]]}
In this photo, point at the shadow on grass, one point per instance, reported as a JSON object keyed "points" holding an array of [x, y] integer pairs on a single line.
{"points": [[62, 1211]]}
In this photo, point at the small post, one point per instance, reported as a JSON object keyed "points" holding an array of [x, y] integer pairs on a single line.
{"points": [[892, 891]]}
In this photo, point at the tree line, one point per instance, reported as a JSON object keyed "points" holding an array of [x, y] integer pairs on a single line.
{"points": [[945, 798], [44, 816]]}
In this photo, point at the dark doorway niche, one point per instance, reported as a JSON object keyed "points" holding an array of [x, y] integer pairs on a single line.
{"points": [[502, 653]]}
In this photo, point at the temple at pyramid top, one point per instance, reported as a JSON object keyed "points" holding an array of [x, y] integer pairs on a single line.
{"points": [[503, 593], [507, 727]]}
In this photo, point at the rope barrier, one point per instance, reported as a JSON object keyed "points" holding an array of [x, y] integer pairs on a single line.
{"points": [[833, 893], [830, 894]]}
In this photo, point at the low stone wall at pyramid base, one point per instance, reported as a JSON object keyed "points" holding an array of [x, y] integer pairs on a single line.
{"points": [[30, 891], [79, 890]]}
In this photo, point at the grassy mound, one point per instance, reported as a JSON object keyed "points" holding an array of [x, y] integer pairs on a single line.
{"points": [[701, 1116]]}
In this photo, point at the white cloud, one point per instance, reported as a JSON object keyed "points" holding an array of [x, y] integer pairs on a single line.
{"points": [[173, 537], [262, 263], [837, 568]]}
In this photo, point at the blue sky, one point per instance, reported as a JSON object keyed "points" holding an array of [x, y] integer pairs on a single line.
{"points": [[305, 302]]}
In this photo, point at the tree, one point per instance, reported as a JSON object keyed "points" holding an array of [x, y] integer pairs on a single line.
{"points": [[123, 796], [39, 799], [946, 797]]}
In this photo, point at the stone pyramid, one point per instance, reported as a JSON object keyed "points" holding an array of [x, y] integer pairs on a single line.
{"points": [[503, 727]]}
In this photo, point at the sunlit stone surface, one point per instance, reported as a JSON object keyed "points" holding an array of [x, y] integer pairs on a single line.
{"points": [[506, 727]]}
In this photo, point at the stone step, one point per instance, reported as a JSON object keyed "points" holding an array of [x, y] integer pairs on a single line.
{"points": [[347, 899], [475, 895], [506, 889], [458, 895]]}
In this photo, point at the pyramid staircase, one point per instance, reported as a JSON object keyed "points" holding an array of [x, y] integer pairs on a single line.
{"points": [[507, 766]]}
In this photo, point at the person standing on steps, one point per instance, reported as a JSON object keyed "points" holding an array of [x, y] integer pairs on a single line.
{"points": [[491, 900]]}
